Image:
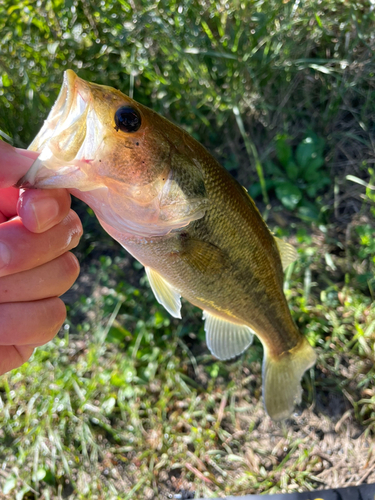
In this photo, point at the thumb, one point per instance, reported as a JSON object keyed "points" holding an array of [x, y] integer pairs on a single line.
{"points": [[14, 163]]}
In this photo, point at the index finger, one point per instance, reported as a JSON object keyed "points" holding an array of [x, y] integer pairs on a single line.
{"points": [[14, 163]]}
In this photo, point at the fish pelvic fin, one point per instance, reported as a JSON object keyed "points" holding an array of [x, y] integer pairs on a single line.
{"points": [[224, 339], [282, 379], [164, 293]]}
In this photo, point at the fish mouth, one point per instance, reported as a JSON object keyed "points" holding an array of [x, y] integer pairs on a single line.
{"points": [[62, 112], [62, 141]]}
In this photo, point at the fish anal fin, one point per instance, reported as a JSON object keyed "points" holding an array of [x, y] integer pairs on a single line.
{"points": [[164, 293], [224, 339], [288, 253], [201, 255], [282, 379]]}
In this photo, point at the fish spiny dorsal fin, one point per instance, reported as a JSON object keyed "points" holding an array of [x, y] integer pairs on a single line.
{"points": [[288, 253], [224, 339], [164, 293]]}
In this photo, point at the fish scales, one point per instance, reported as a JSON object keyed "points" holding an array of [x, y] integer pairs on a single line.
{"points": [[198, 233], [248, 281]]}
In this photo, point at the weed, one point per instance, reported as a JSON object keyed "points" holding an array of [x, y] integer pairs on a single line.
{"points": [[298, 176], [127, 402]]}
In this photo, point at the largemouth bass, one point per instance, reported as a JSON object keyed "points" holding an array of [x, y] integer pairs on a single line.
{"points": [[196, 231]]}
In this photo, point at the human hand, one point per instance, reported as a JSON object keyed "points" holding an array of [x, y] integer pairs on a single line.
{"points": [[37, 230]]}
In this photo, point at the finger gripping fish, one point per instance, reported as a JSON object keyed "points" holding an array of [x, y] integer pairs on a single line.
{"points": [[197, 232]]}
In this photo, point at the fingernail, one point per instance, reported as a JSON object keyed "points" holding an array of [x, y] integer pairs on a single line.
{"points": [[45, 211], [4, 255]]}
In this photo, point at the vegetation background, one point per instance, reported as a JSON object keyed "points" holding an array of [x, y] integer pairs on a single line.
{"points": [[127, 402]]}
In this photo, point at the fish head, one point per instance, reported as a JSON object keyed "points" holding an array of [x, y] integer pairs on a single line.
{"points": [[132, 166]]}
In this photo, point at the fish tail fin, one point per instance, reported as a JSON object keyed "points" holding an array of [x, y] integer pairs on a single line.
{"points": [[282, 379]]}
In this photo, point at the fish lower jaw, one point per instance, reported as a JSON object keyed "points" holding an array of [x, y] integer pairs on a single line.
{"points": [[65, 177]]}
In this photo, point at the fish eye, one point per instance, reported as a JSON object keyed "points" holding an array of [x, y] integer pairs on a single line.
{"points": [[127, 119]]}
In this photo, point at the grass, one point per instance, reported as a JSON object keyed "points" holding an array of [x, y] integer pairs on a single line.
{"points": [[127, 402]]}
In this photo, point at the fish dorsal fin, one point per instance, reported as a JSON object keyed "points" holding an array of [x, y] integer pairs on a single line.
{"points": [[225, 339], [164, 293], [288, 253]]}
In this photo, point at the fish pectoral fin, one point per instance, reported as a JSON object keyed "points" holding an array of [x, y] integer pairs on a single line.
{"points": [[181, 213], [164, 293], [202, 256], [282, 379], [224, 339], [183, 198], [288, 253]]}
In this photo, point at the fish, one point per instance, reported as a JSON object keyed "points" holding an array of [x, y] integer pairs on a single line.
{"points": [[194, 228]]}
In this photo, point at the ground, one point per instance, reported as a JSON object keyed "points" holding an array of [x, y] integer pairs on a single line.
{"points": [[131, 404], [127, 402]]}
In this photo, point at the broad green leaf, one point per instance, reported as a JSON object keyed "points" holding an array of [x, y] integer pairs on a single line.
{"points": [[314, 187], [255, 189], [292, 170], [307, 211], [305, 151], [289, 195], [272, 169], [311, 172], [283, 150], [311, 190]]}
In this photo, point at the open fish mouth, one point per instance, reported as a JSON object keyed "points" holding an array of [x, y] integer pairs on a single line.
{"points": [[67, 141], [81, 149]]}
